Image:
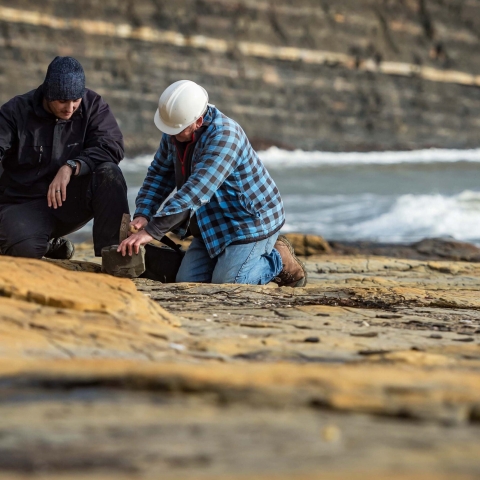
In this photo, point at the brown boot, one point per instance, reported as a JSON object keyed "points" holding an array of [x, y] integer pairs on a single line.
{"points": [[293, 273]]}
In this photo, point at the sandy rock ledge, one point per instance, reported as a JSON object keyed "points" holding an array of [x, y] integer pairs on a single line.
{"points": [[371, 371], [50, 312]]}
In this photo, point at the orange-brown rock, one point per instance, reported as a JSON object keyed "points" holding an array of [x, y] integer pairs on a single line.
{"points": [[389, 388], [371, 371], [307, 245], [48, 311]]}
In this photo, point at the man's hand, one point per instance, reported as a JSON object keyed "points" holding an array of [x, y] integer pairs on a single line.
{"points": [[57, 191], [134, 242], [137, 224]]}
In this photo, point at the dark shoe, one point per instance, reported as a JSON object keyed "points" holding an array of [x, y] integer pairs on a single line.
{"points": [[60, 249], [293, 273]]}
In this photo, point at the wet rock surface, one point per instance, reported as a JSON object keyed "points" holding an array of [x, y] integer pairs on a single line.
{"points": [[371, 371], [426, 249]]}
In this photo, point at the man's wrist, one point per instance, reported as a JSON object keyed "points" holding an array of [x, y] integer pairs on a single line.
{"points": [[74, 166], [66, 168], [141, 216], [156, 234]]}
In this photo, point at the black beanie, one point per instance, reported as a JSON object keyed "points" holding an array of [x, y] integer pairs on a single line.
{"points": [[65, 80]]}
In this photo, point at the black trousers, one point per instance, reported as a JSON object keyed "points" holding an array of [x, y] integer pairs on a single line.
{"points": [[26, 227]]}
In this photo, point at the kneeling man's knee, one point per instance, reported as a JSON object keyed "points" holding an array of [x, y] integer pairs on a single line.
{"points": [[29, 248], [109, 171], [109, 177]]}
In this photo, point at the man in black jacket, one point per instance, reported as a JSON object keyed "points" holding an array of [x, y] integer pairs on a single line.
{"points": [[60, 146]]}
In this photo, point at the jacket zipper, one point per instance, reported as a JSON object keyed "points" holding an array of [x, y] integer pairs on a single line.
{"points": [[40, 160]]}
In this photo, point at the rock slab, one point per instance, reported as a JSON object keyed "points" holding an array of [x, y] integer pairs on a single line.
{"points": [[109, 386], [49, 311]]}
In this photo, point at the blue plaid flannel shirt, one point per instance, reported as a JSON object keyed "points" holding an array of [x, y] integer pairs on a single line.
{"points": [[229, 188]]}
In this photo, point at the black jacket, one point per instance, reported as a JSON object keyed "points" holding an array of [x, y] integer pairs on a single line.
{"points": [[34, 144]]}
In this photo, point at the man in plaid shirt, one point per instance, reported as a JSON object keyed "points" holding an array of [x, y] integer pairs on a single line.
{"points": [[225, 197]]}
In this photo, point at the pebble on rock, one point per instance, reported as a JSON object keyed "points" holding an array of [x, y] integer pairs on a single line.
{"points": [[331, 433], [364, 334], [312, 340]]}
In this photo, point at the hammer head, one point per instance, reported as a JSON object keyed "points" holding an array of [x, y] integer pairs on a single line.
{"points": [[126, 266]]}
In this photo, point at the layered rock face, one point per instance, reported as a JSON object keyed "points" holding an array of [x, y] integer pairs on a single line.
{"points": [[331, 75]]}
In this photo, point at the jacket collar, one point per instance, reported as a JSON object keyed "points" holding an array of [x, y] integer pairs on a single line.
{"points": [[41, 112], [209, 115], [38, 103]]}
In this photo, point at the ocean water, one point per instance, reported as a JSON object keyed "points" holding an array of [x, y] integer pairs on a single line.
{"points": [[378, 196]]}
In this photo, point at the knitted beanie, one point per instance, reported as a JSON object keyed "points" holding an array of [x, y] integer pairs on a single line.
{"points": [[65, 80]]}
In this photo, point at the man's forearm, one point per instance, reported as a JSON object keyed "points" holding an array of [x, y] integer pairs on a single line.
{"points": [[157, 227]]}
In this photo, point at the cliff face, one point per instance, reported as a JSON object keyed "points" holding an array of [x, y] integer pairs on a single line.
{"points": [[310, 74]]}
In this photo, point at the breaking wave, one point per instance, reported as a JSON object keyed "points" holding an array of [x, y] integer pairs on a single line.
{"points": [[384, 206], [137, 164], [406, 218], [275, 157]]}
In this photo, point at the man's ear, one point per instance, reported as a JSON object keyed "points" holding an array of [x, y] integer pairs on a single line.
{"points": [[199, 122]]}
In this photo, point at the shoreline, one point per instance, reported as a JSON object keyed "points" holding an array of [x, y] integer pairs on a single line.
{"points": [[308, 245]]}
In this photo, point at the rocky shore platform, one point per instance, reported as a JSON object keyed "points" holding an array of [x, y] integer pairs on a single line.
{"points": [[372, 371]]}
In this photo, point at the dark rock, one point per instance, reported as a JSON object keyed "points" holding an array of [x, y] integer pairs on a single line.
{"points": [[447, 248], [427, 249]]}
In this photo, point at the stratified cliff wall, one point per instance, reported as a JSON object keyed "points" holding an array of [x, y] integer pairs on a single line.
{"points": [[310, 74]]}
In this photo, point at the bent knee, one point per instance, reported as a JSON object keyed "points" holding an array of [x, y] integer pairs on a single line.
{"points": [[109, 173], [108, 168], [29, 248]]}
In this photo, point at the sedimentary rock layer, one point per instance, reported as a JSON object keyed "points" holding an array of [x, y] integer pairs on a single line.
{"points": [[371, 371], [331, 75], [50, 312]]}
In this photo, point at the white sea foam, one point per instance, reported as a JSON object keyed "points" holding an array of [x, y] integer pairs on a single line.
{"points": [[136, 164], [399, 219], [275, 157]]}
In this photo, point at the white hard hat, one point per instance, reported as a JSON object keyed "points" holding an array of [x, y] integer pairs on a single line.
{"points": [[181, 104]]}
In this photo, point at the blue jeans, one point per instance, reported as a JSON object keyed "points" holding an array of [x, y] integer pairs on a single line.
{"points": [[250, 263]]}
